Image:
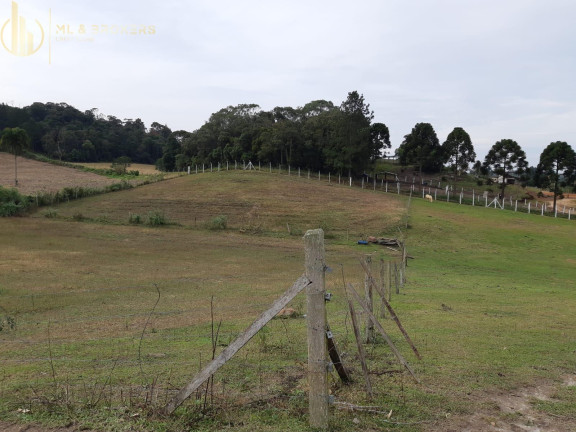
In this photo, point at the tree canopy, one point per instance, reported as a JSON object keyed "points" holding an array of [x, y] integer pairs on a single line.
{"points": [[557, 167], [62, 132], [317, 136], [458, 150], [506, 158], [421, 148]]}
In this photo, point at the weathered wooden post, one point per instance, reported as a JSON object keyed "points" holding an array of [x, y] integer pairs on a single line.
{"points": [[383, 279], [316, 323], [369, 301]]}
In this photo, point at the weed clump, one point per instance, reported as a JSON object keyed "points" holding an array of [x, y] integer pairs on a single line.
{"points": [[12, 202], [134, 219], [50, 213], [218, 223], [157, 218]]}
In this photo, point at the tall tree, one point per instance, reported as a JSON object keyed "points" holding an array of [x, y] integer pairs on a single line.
{"points": [[421, 147], [352, 149], [14, 140], [380, 136], [505, 158], [557, 167], [458, 150]]}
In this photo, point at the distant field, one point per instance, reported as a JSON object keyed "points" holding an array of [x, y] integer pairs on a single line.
{"points": [[111, 318], [36, 177], [253, 202]]}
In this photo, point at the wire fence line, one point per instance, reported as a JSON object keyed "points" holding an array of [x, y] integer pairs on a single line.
{"points": [[402, 185], [81, 347]]}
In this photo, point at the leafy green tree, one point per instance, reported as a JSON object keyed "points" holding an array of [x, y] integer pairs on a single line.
{"points": [[14, 140], [120, 165], [458, 150], [352, 147], [505, 158], [421, 147], [557, 167], [380, 137]]}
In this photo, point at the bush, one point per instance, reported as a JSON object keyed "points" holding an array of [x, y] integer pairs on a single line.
{"points": [[157, 218], [480, 182], [11, 202], [134, 219], [218, 223], [50, 213]]}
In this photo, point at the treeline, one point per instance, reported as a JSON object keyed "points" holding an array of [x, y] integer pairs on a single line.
{"points": [[62, 132], [319, 136]]}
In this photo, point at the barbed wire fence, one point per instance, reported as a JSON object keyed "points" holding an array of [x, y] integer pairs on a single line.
{"points": [[133, 347]]}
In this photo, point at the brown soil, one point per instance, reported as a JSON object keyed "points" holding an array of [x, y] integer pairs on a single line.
{"points": [[512, 412], [10, 427], [37, 177]]}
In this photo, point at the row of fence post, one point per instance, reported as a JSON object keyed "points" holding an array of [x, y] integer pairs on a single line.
{"points": [[384, 186]]}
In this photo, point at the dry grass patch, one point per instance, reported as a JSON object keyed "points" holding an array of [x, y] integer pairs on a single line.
{"points": [[262, 201], [40, 177]]}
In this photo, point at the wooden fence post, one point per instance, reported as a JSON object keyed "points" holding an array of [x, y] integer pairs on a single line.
{"points": [[369, 301], [316, 323], [383, 279]]}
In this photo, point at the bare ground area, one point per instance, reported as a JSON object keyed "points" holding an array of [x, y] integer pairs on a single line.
{"points": [[36, 177], [513, 412]]}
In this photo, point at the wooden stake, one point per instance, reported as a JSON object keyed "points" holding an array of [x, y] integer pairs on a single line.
{"points": [[368, 298], [361, 351], [383, 288], [392, 313], [382, 332], [335, 357], [235, 346]]}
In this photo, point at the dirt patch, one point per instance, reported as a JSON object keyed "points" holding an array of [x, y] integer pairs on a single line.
{"points": [[11, 427], [512, 412], [37, 177]]}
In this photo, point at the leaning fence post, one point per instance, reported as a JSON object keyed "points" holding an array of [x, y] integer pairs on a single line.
{"points": [[316, 323]]}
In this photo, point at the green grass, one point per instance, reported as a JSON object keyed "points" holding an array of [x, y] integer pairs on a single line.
{"points": [[488, 302]]}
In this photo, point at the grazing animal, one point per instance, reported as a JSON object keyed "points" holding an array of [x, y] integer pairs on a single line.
{"points": [[429, 197]]}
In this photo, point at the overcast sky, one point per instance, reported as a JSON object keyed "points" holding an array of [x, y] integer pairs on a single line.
{"points": [[499, 69]]}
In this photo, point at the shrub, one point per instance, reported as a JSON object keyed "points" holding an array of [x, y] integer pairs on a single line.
{"points": [[480, 182], [157, 218], [218, 223], [134, 219], [50, 213], [11, 202], [78, 217]]}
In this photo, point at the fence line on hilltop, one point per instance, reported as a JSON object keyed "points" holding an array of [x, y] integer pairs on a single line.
{"points": [[407, 186]]}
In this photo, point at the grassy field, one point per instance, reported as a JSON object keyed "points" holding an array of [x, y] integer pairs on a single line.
{"points": [[103, 319]]}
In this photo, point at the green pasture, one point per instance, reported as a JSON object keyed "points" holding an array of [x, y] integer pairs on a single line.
{"points": [[103, 319]]}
